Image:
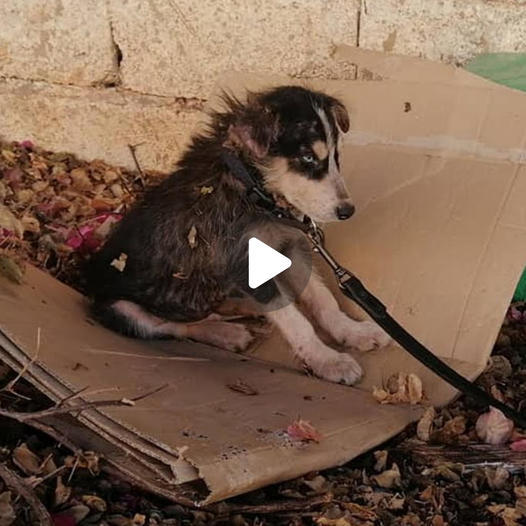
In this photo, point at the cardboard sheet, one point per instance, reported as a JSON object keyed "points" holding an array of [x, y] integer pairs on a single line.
{"points": [[435, 164]]}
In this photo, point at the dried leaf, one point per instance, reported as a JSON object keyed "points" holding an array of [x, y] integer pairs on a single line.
{"points": [[242, 387], [425, 424], [508, 515], [9, 222], [401, 388], [138, 519], [388, 479], [30, 224], [360, 512], [80, 179], [192, 237], [493, 427], [324, 521], [381, 460], [303, 430], [120, 262], [496, 478], [95, 503], [396, 503], [26, 460], [62, 492], [88, 460], [7, 513], [205, 190], [450, 431], [317, 484]]}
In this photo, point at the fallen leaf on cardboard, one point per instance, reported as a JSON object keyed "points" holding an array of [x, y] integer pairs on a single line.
{"points": [[7, 513], [493, 427], [425, 424], [26, 460], [242, 387], [388, 479], [192, 237], [303, 430], [401, 388], [11, 269], [120, 262]]}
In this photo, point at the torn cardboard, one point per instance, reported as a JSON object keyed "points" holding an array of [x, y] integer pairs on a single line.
{"points": [[435, 164]]}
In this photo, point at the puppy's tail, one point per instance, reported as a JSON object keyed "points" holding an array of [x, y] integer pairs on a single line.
{"points": [[130, 319]]}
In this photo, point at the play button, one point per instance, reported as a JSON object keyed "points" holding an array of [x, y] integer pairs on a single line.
{"points": [[264, 263]]}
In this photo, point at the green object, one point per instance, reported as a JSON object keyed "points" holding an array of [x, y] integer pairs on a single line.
{"points": [[503, 68], [508, 69]]}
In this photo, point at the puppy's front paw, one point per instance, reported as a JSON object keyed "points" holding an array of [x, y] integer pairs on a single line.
{"points": [[339, 368], [361, 335]]}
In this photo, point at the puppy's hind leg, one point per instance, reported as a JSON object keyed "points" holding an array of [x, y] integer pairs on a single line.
{"points": [[132, 320]]}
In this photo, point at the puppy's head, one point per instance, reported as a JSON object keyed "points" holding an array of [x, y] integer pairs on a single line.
{"points": [[292, 134]]}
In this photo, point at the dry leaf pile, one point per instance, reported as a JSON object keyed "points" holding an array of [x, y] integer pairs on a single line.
{"points": [[55, 209], [460, 465]]}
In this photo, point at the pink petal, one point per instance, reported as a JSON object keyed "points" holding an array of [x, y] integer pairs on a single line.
{"points": [[26, 144], [63, 520], [518, 445], [493, 427], [303, 430]]}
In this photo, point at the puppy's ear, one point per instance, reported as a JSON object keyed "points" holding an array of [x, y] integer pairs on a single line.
{"points": [[341, 115], [253, 131]]}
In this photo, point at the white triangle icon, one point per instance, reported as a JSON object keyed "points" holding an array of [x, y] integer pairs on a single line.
{"points": [[264, 263]]}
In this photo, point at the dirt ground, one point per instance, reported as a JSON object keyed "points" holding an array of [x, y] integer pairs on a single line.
{"points": [[460, 465]]}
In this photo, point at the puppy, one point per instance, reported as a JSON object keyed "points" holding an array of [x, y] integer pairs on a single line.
{"points": [[186, 240]]}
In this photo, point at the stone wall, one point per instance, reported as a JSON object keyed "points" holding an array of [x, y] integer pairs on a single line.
{"points": [[91, 76]]}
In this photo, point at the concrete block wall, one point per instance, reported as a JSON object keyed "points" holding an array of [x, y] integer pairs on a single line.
{"points": [[91, 76]]}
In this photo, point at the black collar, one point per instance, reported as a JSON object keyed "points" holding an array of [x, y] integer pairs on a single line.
{"points": [[257, 194]]}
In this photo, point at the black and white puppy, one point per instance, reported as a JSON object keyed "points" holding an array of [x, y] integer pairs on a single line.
{"points": [[186, 240]]}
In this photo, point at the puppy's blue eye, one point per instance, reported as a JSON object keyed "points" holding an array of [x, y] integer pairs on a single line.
{"points": [[308, 158]]}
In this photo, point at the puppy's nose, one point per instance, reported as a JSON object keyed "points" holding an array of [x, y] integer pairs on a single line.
{"points": [[344, 211]]}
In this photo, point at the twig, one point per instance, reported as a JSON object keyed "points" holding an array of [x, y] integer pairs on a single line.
{"points": [[74, 468], [85, 391], [276, 507], [132, 148], [472, 456], [51, 475], [61, 409], [9, 387], [14, 482]]}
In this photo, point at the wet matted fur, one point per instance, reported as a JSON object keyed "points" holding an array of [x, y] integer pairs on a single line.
{"points": [[186, 241]]}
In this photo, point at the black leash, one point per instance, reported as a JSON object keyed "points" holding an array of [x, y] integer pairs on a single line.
{"points": [[354, 289]]}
